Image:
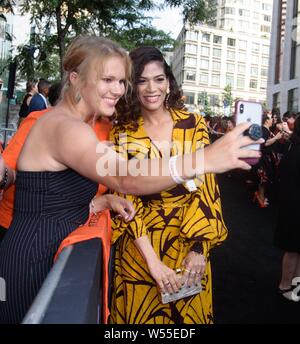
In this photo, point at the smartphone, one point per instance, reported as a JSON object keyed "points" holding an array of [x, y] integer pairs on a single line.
{"points": [[248, 111]]}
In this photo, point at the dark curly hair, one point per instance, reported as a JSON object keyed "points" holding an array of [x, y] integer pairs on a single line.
{"points": [[129, 111], [295, 138]]}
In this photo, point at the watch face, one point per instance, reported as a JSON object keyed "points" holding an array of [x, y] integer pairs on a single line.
{"points": [[255, 132]]}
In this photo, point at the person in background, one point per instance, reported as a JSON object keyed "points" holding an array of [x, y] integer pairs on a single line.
{"points": [[287, 231], [31, 90], [10, 156], [172, 229], [39, 100], [62, 162]]}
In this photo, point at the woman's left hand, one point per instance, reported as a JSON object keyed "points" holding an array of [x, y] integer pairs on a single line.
{"points": [[193, 267], [119, 205]]}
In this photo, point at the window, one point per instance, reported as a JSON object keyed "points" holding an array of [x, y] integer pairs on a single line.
{"points": [[190, 75], [263, 85], [265, 28], [192, 35], [230, 55], [254, 70], [214, 100], [191, 48], [215, 80], [203, 78], [240, 83], [255, 47], [244, 25], [266, 7], [265, 61], [241, 69], [230, 10], [217, 52], [190, 61], [264, 72], [229, 80], [216, 65], [242, 56], [253, 83], [244, 13], [254, 59], [255, 27], [293, 100], [267, 18], [205, 37], [205, 51], [204, 64], [265, 49], [231, 42], [190, 97], [243, 44], [217, 39], [276, 100], [230, 67]]}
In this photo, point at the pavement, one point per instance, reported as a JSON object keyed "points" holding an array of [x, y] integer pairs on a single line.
{"points": [[247, 267]]}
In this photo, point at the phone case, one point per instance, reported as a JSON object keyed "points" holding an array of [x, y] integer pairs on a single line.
{"points": [[247, 111]]}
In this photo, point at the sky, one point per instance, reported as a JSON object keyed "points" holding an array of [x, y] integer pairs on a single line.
{"points": [[169, 20]]}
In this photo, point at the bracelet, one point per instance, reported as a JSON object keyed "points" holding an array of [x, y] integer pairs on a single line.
{"points": [[4, 179], [173, 170]]}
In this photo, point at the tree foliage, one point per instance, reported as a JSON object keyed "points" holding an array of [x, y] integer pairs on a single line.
{"points": [[125, 21]]}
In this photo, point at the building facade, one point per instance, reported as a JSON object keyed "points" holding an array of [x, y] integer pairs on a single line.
{"points": [[234, 51], [284, 73]]}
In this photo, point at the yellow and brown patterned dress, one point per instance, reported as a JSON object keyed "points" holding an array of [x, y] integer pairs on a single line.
{"points": [[173, 220]]}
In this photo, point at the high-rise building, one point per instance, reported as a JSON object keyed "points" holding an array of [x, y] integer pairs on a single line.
{"points": [[284, 73], [234, 50]]}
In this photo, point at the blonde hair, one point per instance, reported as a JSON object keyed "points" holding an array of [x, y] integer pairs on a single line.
{"points": [[86, 53]]}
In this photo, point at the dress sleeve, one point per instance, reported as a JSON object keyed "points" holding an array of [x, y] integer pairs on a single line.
{"points": [[203, 226], [136, 227]]}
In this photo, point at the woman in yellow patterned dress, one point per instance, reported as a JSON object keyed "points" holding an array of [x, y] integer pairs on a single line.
{"points": [[172, 229]]}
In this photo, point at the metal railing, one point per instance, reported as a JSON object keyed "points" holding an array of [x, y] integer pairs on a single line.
{"points": [[72, 292]]}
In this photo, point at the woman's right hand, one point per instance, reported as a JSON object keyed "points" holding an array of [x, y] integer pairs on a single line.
{"points": [[166, 278], [227, 152]]}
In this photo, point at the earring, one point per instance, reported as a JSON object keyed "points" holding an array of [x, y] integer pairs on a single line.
{"points": [[167, 105]]}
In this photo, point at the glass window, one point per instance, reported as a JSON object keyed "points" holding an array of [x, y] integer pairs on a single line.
{"points": [[265, 49], [241, 69], [240, 83], [230, 67], [244, 13], [191, 48], [242, 44], [203, 78], [265, 61], [253, 83], [190, 97], [217, 39], [230, 55], [231, 42], [254, 70], [205, 37], [230, 10], [205, 51], [216, 65], [190, 75], [244, 25], [264, 72], [204, 63], [229, 80], [242, 56], [263, 85], [190, 61], [265, 28], [192, 35], [255, 59], [215, 80], [293, 100], [255, 47], [217, 52], [214, 100]]}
